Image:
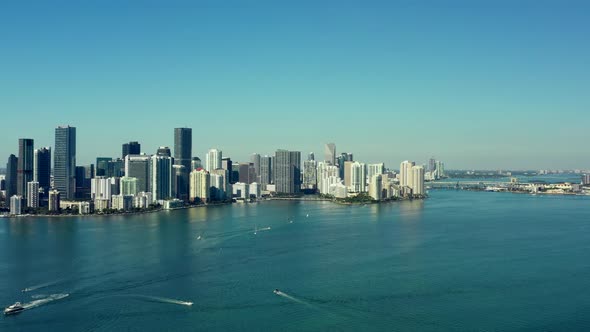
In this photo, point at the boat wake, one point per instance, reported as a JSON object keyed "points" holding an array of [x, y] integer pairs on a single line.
{"points": [[165, 300], [36, 287], [292, 298], [41, 301]]}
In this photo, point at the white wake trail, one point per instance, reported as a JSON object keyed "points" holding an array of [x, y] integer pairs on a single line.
{"points": [[167, 300], [47, 284], [40, 302]]}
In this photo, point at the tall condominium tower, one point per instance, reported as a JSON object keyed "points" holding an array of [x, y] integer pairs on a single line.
{"points": [[288, 171], [161, 177], [183, 147], [405, 173], [330, 153], [265, 171], [130, 148], [418, 180], [213, 160], [42, 168], [24, 170], [255, 160], [11, 176], [64, 162]]}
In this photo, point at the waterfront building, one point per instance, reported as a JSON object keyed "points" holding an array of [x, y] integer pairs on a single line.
{"points": [[64, 164], [376, 187], [418, 180], [122, 202], [288, 172], [24, 171], [358, 177], [254, 190], [216, 187], [54, 200], [33, 194], [138, 166], [265, 172], [586, 179], [101, 188], [101, 204], [327, 175], [11, 177], [42, 167], [161, 177], [16, 205], [374, 169], [255, 161], [143, 200], [310, 179], [180, 182], [199, 186], [221, 185], [347, 173], [241, 190], [132, 148], [129, 186], [338, 190], [330, 153], [406, 176], [213, 160]]}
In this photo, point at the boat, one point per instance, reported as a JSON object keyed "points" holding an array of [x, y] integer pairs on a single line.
{"points": [[14, 309], [276, 291]]}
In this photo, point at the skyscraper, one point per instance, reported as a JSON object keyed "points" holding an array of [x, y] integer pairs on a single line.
{"points": [[373, 169], [161, 177], [310, 174], [265, 172], [375, 187], [358, 177], [11, 176], [137, 166], [418, 180], [199, 185], [102, 166], [195, 163], [128, 186], [42, 168], [183, 147], [213, 160], [431, 164], [330, 153], [130, 148], [33, 194], [343, 158], [311, 156], [64, 166], [24, 170], [180, 182], [406, 175], [255, 160], [164, 151], [288, 171]]}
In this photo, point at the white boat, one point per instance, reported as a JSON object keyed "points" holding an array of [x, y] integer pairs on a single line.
{"points": [[14, 309]]}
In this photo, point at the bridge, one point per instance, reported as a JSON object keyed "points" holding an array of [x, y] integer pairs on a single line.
{"points": [[479, 185]]}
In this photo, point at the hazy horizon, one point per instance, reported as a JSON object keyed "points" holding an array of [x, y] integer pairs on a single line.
{"points": [[486, 85]]}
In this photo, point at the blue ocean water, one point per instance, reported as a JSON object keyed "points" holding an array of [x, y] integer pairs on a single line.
{"points": [[458, 261]]}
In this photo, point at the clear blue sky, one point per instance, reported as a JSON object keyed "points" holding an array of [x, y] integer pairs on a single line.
{"points": [[478, 84]]}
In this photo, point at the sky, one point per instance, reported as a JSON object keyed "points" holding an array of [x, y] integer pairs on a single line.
{"points": [[476, 84]]}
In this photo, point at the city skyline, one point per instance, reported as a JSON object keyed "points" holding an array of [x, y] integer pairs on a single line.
{"points": [[469, 83]]}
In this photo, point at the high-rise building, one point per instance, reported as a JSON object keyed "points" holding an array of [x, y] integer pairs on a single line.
{"points": [[164, 151], [265, 174], [431, 164], [130, 148], [115, 168], [195, 163], [311, 156], [102, 166], [222, 185], [161, 177], [138, 166], [327, 176], [358, 177], [341, 160], [129, 186], [54, 200], [347, 173], [213, 160], [375, 187], [440, 169], [64, 165], [16, 205], [405, 174], [310, 179], [227, 164], [247, 173], [11, 176], [33, 194], [180, 182], [255, 160], [288, 171], [101, 188], [24, 171], [122, 202], [418, 180], [183, 147], [199, 186], [83, 184], [373, 169], [586, 179], [42, 168], [330, 153]]}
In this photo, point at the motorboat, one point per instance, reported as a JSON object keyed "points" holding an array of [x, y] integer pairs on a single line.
{"points": [[14, 309], [276, 291]]}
